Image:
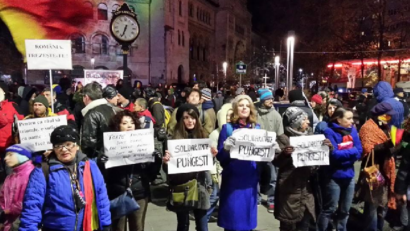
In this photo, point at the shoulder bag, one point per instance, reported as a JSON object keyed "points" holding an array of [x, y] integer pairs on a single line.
{"points": [[124, 204]]}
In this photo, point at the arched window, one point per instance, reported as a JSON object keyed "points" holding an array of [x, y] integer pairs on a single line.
{"points": [[78, 43], [102, 12], [100, 44], [180, 8], [115, 7], [179, 38], [183, 39], [89, 10]]}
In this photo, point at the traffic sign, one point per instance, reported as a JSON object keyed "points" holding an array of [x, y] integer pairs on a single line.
{"points": [[240, 68]]}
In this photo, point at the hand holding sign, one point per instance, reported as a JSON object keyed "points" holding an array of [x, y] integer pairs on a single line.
{"points": [[309, 150]]}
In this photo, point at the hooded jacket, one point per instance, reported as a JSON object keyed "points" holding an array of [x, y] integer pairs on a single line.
{"points": [[12, 192], [342, 161], [51, 205], [7, 112], [270, 119], [383, 92]]}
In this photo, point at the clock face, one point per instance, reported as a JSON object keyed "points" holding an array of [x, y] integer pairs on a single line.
{"points": [[125, 28]]}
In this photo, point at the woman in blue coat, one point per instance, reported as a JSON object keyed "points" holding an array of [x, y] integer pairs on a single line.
{"points": [[338, 182], [238, 196], [68, 193]]}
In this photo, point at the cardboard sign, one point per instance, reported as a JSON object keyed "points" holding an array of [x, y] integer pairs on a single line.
{"points": [[38, 131], [190, 155], [309, 151], [131, 147], [48, 55], [254, 145]]}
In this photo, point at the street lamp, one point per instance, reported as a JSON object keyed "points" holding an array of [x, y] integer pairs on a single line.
{"points": [[92, 62], [290, 58], [301, 77], [277, 66], [225, 66]]}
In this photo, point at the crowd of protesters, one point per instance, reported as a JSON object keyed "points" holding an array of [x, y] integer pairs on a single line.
{"points": [[69, 188]]}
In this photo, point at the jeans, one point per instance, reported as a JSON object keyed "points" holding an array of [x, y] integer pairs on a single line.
{"points": [[136, 220], [374, 217], [302, 225], [201, 220], [273, 177], [213, 199], [337, 193]]}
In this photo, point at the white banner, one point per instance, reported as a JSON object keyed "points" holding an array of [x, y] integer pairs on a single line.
{"points": [[309, 150], [103, 77], [253, 145], [193, 155], [48, 54], [131, 147], [38, 131]]}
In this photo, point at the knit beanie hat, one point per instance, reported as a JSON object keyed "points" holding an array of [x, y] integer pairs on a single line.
{"points": [[126, 92], [295, 116], [265, 94], [184, 108], [109, 92], [206, 94], [295, 95], [42, 99], [24, 151], [63, 134], [239, 98], [317, 99], [239, 91]]}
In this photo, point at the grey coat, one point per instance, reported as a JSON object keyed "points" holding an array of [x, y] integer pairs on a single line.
{"points": [[270, 120]]}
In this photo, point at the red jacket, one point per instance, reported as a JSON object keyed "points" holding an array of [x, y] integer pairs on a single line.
{"points": [[147, 114], [130, 107], [7, 112]]}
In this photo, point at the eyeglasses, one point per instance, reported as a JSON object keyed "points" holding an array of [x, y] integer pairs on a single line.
{"points": [[67, 146]]}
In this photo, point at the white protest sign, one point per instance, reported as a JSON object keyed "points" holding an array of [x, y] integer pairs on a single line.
{"points": [[38, 131], [189, 155], [309, 150], [131, 147], [48, 54], [253, 145]]}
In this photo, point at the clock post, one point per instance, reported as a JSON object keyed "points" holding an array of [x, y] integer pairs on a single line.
{"points": [[125, 29]]}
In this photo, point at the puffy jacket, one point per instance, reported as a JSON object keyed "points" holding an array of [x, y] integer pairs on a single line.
{"points": [[383, 92], [61, 109], [270, 120], [7, 112], [12, 192], [342, 161], [51, 206], [97, 116]]}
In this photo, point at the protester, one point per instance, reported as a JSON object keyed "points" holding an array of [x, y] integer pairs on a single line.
{"points": [[12, 191], [156, 108], [125, 98], [111, 95], [119, 84], [189, 127], [29, 94], [240, 91], [65, 192], [332, 106], [59, 108], [361, 109], [338, 181], [145, 117], [218, 101], [399, 95], [140, 176], [297, 99], [171, 98]]}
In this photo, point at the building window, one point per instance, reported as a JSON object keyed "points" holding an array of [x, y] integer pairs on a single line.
{"points": [[190, 10], [180, 8], [179, 38], [89, 10], [78, 43], [100, 44], [102, 12], [183, 39]]}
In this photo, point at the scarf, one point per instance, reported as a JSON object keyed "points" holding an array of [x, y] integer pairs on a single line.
{"points": [[89, 214], [370, 134], [296, 133], [147, 114]]}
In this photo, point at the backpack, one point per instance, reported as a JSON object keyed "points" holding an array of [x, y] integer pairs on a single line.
{"points": [[167, 115], [147, 122]]}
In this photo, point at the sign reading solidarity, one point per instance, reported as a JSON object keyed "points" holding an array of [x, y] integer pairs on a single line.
{"points": [[254, 145], [48, 54], [193, 155], [131, 147], [38, 131], [309, 151]]}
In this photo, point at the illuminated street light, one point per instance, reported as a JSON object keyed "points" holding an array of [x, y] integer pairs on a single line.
{"points": [[225, 66], [290, 58], [92, 62], [277, 66]]}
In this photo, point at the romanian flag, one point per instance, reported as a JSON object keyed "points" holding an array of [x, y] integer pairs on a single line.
{"points": [[396, 135], [42, 19]]}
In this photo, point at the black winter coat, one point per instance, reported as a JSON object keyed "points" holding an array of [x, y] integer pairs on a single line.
{"points": [[97, 116], [403, 177]]}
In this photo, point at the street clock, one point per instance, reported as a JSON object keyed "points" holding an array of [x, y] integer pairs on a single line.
{"points": [[124, 26]]}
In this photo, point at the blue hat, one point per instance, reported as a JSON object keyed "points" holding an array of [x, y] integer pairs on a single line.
{"points": [[383, 108], [24, 151], [265, 94]]}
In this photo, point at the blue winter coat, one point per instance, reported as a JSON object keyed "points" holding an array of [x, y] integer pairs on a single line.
{"points": [[342, 161], [51, 206], [238, 199]]}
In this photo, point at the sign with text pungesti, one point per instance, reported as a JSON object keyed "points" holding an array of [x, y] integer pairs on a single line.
{"points": [[193, 155], [254, 145], [131, 147], [38, 131], [309, 150], [48, 54]]}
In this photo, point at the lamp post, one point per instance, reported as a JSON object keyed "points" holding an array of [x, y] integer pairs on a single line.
{"points": [[290, 58], [301, 77], [225, 66], [277, 66], [92, 62]]}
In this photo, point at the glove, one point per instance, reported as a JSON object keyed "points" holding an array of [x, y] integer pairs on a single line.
{"points": [[103, 159], [229, 143]]}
